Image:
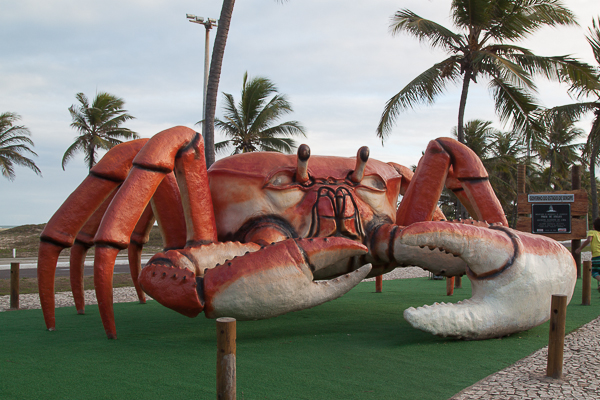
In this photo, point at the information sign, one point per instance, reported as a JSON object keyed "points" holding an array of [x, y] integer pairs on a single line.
{"points": [[551, 218], [551, 197]]}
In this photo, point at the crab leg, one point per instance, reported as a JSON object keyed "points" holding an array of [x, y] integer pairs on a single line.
{"points": [[139, 238], [61, 230], [513, 276], [177, 148], [407, 176], [468, 178], [83, 242]]}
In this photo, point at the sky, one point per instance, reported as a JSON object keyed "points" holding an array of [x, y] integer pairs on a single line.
{"points": [[335, 60]]}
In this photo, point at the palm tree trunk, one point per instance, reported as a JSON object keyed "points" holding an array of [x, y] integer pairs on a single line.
{"points": [[549, 176], [91, 158], [461, 211], [594, 190], [214, 77], [462, 106]]}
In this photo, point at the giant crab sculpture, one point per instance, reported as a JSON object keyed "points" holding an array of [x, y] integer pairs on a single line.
{"points": [[262, 234]]}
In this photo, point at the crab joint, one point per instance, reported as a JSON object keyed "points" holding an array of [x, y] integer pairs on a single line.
{"points": [[302, 168], [362, 156]]}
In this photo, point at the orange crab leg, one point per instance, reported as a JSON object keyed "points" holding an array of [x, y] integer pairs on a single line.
{"points": [[166, 206], [61, 230], [169, 203], [434, 169], [168, 210], [473, 177], [83, 242], [423, 193], [177, 148], [140, 236], [407, 176]]}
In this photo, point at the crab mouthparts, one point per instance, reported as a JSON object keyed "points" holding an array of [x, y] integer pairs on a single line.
{"points": [[335, 214]]}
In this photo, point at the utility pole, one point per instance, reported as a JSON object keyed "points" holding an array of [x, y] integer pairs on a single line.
{"points": [[209, 23]]}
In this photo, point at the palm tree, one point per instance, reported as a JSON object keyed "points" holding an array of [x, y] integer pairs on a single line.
{"points": [[14, 142], [504, 154], [484, 48], [98, 125], [499, 152], [249, 124], [477, 135], [557, 150], [577, 110]]}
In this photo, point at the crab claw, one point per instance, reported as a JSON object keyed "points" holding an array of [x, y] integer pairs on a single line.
{"points": [[513, 275], [279, 278], [170, 277]]}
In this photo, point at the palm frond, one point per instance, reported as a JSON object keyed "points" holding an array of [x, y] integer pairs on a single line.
{"points": [[425, 30], [514, 103], [574, 111], [281, 145], [70, 152], [222, 146], [504, 69], [422, 90], [289, 128], [15, 142], [515, 20]]}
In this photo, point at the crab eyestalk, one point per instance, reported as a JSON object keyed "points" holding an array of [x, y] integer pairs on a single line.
{"points": [[302, 166], [362, 156]]}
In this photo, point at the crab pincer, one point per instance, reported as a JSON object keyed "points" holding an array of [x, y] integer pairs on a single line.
{"points": [[513, 276], [261, 282]]}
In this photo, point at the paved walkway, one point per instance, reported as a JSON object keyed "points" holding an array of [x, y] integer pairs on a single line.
{"points": [[526, 379]]}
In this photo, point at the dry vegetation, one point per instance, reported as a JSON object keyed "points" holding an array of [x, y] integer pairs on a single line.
{"points": [[26, 239], [62, 284]]}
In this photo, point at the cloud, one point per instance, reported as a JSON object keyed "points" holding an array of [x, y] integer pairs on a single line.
{"points": [[335, 60]]}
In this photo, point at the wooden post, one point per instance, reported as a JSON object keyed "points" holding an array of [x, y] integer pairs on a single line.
{"points": [[575, 243], [586, 292], [378, 284], [556, 341], [226, 333], [14, 286], [449, 285], [458, 282], [521, 174]]}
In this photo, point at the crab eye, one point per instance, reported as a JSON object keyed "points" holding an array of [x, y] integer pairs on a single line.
{"points": [[373, 182], [281, 179]]}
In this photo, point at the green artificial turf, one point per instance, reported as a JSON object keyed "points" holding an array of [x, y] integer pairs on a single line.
{"points": [[357, 347]]}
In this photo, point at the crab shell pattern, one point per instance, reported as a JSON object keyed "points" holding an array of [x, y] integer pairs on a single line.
{"points": [[263, 234]]}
